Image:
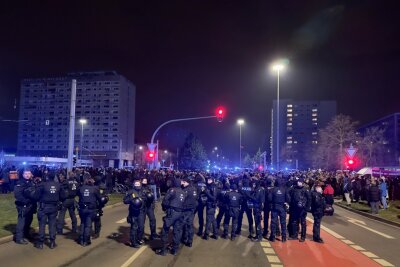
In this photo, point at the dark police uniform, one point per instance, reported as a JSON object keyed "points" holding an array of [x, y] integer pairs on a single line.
{"points": [[149, 206], [173, 204], [49, 195], [267, 207], [211, 193], [99, 211], [299, 205], [258, 198], [72, 186], [89, 197], [278, 197], [223, 208], [317, 209], [246, 207], [134, 198], [233, 200], [190, 206], [201, 191], [26, 207]]}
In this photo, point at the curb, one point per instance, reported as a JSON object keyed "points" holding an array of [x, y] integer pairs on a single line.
{"points": [[10, 238], [370, 216]]}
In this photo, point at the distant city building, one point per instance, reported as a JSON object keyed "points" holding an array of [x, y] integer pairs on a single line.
{"points": [[105, 99], [299, 123], [391, 125]]}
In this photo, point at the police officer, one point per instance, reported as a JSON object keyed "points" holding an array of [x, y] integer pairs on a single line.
{"points": [[49, 195], [89, 198], [190, 206], [317, 209], [173, 205], [221, 203], [71, 185], [134, 198], [149, 206], [99, 211], [258, 198], [267, 206], [299, 205], [26, 207], [201, 191], [233, 199], [246, 207], [211, 193], [278, 198]]}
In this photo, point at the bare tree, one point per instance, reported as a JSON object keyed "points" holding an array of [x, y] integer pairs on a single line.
{"points": [[340, 132], [371, 145]]}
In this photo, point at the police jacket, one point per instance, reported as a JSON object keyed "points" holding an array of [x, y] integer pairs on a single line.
{"points": [[278, 196], [211, 193], [24, 192], [89, 196], [233, 199], [72, 186], [317, 203], [174, 199], [246, 192], [191, 198], [268, 198], [221, 197], [201, 191], [50, 192], [148, 197], [300, 199], [135, 199], [258, 197]]}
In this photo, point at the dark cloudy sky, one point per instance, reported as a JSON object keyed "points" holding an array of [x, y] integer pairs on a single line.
{"points": [[186, 57]]}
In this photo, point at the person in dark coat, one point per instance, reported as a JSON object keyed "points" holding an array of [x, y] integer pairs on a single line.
{"points": [[374, 197]]}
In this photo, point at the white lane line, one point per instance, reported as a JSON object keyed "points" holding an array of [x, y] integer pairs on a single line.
{"points": [[362, 224], [327, 230], [121, 221], [134, 256], [383, 263]]}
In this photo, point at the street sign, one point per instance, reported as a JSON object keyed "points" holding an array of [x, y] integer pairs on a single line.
{"points": [[351, 151]]}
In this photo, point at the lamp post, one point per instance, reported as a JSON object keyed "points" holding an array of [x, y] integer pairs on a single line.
{"points": [[277, 67], [82, 122], [240, 122]]}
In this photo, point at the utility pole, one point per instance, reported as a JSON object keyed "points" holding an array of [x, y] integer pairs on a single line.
{"points": [[71, 126]]}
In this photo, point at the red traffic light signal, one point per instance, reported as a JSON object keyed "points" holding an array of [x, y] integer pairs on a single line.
{"points": [[150, 155], [220, 113], [350, 162]]}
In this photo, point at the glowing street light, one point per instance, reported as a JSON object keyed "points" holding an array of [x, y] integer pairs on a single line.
{"points": [[82, 121], [240, 122], [277, 67]]}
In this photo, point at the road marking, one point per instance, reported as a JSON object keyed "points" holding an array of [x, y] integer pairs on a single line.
{"points": [[362, 224], [348, 242], [265, 244], [269, 251], [121, 221], [273, 259], [369, 254], [276, 265], [383, 263], [134, 256], [356, 247], [327, 230]]}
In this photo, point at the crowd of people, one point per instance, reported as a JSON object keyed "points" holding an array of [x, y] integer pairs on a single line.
{"points": [[218, 200]]}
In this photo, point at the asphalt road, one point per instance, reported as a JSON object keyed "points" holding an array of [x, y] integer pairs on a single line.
{"points": [[111, 249]]}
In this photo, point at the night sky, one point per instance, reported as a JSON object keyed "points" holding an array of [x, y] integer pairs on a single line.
{"points": [[187, 57]]}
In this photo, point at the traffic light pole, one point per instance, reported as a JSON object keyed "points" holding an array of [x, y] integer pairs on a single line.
{"points": [[168, 122]]}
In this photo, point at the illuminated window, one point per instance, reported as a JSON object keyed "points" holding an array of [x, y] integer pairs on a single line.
{"points": [[289, 106], [314, 133], [289, 142], [314, 119], [314, 115], [290, 110], [314, 110], [290, 119], [289, 115], [289, 137], [315, 142], [289, 124]]}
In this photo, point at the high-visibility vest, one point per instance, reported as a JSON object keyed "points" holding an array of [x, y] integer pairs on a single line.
{"points": [[13, 175]]}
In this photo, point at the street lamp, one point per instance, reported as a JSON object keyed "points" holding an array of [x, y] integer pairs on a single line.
{"points": [[240, 122], [277, 67], [82, 122]]}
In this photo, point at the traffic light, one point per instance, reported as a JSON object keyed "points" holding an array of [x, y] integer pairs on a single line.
{"points": [[150, 155], [350, 162], [220, 113]]}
